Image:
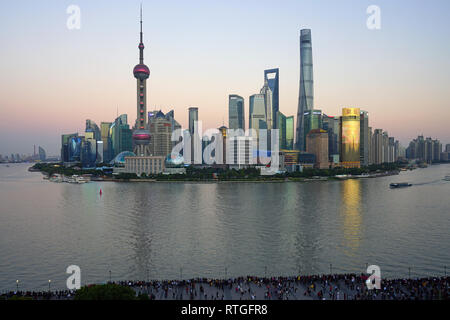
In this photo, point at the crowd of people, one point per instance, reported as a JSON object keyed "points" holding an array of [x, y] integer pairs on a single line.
{"points": [[313, 287]]}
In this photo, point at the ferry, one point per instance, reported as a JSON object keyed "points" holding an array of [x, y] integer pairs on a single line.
{"points": [[447, 177], [400, 185], [56, 178], [76, 179]]}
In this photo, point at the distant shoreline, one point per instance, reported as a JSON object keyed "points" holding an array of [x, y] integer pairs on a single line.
{"points": [[268, 180]]}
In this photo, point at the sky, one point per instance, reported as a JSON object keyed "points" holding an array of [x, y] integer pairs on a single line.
{"points": [[53, 78]]}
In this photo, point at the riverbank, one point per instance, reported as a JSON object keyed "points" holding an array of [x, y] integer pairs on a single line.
{"points": [[300, 287], [183, 178]]}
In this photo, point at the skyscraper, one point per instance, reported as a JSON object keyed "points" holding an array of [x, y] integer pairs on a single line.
{"points": [[42, 154], [120, 136], [193, 118], [290, 128], [317, 144], [306, 90], [257, 113], [332, 127], [364, 136], [141, 135], [273, 84], [236, 114], [91, 126], [66, 145], [268, 104], [350, 139], [312, 119], [377, 146], [281, 126], [160, 127], [104, 129]]}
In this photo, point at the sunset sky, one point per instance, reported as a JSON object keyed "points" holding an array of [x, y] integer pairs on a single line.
{"points": [[52, 79]]}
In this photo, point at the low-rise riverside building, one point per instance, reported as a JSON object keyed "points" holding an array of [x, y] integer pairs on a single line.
{"points": [[145, 164]]}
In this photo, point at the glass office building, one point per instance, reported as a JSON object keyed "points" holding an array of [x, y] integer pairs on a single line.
{"points": [[271, 77], [312, 119], [350, 138], [65, 145], [75, 144], [236, 114], [193, 117], [286, 131], [290, 133], [121, 137], [257, 114], [281, 126], [306, 89], [364, 138]]}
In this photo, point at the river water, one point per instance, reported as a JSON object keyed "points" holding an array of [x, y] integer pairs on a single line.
{"points": [[172, 230]]}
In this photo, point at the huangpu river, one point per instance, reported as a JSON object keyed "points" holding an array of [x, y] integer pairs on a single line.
{"points": [[135, 231]]}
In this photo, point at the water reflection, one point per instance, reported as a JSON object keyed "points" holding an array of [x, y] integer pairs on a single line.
{"points": [[351, 216], [248, 228]]}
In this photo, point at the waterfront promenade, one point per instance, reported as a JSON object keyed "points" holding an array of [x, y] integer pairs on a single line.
{"points": [[317, 287]]}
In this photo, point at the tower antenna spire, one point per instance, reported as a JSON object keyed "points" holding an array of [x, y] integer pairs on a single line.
{"points": [[141, 43], [141, 22]]}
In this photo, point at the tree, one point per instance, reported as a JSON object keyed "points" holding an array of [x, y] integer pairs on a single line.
{"points": [[110, 291]]}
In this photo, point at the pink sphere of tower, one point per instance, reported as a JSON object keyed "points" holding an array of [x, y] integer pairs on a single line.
{"points": [[141, 71]]}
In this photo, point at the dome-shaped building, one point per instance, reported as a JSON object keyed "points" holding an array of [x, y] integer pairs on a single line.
{"points": [[120, 158]]}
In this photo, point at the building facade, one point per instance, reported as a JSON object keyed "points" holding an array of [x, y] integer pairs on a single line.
{"points": [[317, 144], [312, 120], [148, 165], [273, 84], [364, 138], [160, 129], [236, 112], [239, 152], [306, 88], [350, 138]]}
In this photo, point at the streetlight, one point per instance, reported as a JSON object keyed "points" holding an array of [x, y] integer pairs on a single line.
{"points": [[17, 285], [49, 281], [331, 269], [265, 272]]}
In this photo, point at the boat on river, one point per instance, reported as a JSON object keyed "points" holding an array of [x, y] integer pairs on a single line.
{"points": [[400, 185]]}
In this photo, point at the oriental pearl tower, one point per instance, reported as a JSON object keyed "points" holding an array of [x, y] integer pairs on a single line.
{"points": [[141, 135]]}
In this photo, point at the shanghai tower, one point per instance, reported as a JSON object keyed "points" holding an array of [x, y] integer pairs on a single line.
{"points": [[306, 90], [141, 135]]}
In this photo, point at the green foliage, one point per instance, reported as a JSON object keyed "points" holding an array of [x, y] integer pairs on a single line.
{"points": [[52, 168], [142, 296], [14, 298], [108, 291], [127, 176]]}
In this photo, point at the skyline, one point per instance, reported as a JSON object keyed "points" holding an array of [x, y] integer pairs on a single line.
{"points": [[193, 72]]}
